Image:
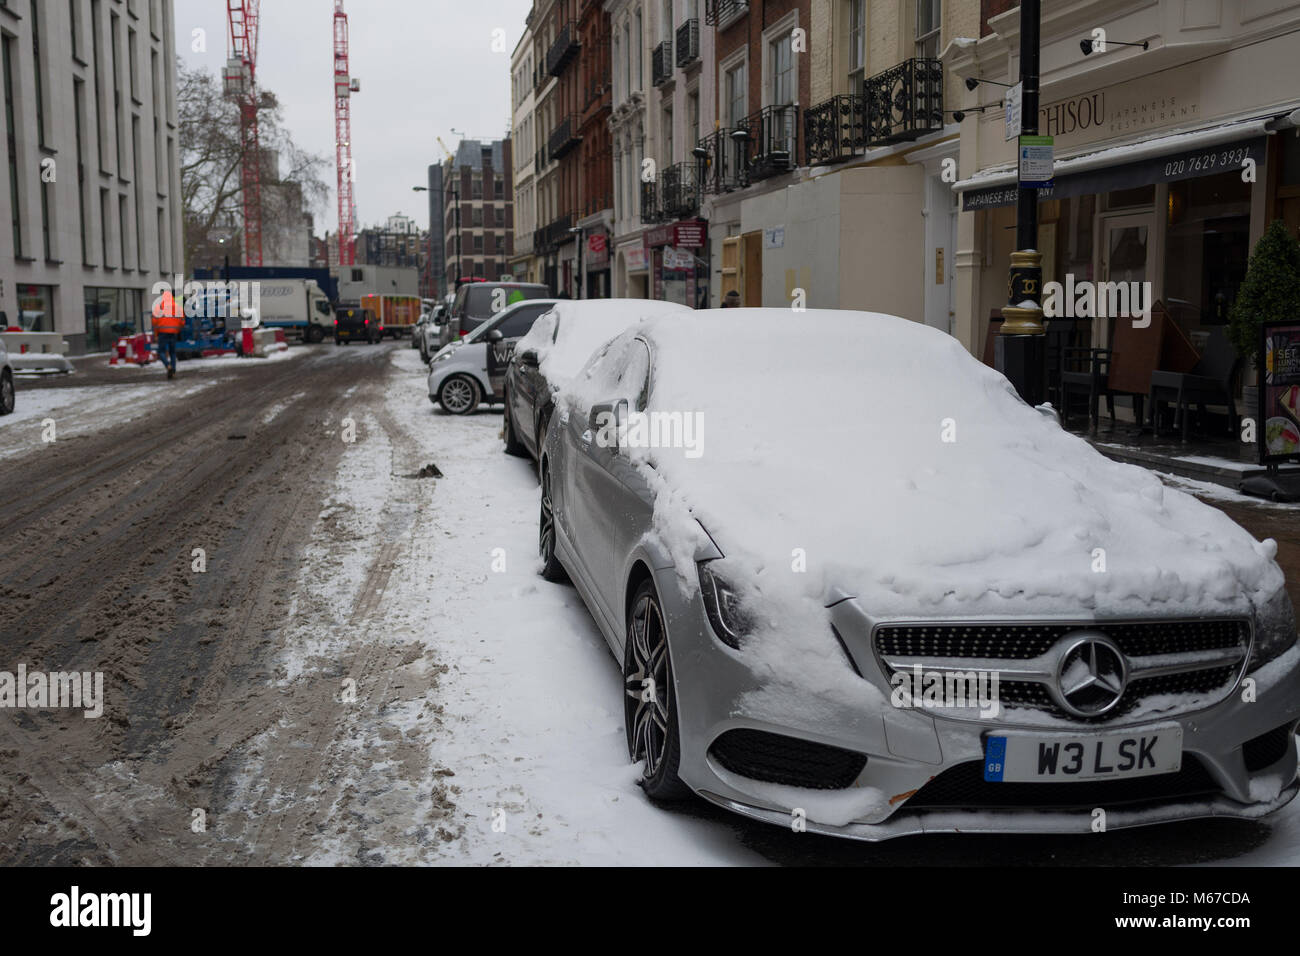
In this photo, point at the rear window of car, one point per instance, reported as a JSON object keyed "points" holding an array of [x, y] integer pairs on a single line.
{"points": [[483, 301]]}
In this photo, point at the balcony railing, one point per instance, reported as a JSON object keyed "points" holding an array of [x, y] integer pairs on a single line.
{"points": [[722, 164], [905, 102], [650, 203], [661, 63], [723, 13], [679, 191], [564, 137], [901, 104], [553, 234], [688, 43], [836, 129], [564, 49], [772, 145]]}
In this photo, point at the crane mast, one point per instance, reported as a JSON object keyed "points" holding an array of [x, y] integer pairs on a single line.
{"points": [[344, 87], [239, 81]]}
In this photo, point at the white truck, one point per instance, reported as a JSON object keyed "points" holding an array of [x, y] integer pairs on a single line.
{"points": [[298, 305]]}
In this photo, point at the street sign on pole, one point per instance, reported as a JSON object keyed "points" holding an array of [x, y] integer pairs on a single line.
{"points": [[1013, 99], [1035, 162]]}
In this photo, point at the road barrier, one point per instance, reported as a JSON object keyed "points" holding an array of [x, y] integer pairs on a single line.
{"points": [[134, 350], [261, 342]]}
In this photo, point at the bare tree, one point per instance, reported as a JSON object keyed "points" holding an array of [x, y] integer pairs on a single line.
{"points": [[212, 190]]}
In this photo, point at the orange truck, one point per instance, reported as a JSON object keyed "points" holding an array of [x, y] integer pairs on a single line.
{"points": [[397, 313]]}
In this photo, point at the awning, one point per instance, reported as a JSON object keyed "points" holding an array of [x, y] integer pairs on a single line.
{"points": [[1167, 159]]}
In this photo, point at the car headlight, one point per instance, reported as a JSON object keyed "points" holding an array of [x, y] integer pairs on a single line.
{"points": [[442, 357], [1274, 629], [722, 604]]}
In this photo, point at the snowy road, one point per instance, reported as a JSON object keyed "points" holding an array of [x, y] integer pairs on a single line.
{"points": [[369, 670]]}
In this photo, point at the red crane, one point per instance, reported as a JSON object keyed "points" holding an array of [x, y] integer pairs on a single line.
{"points": [[344, 87], [239, 78]]}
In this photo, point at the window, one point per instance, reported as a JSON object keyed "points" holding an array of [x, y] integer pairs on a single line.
{"points": [[668, 136], [639, 39], [96, 45], [500, 216], [693, 117], [78, 98], [38, 86], [857, 37], [737, 93], [115, 33], [12, 140], [132, 63], [122, 228], [476, 216], [627, 62], [783, 76], [74, 25], [928, 21], [105, 220]]}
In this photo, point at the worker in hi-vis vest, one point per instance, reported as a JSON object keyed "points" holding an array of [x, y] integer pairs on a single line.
{"points": [[168, 320]]}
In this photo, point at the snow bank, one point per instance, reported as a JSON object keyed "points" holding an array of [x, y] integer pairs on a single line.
{"points": [[897, 467]]}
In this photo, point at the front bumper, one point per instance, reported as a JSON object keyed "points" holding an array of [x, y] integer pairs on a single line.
{"points": [[906, 750]]}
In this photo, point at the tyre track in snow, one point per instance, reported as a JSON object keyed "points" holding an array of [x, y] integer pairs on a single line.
{"points": [[180, 650]]}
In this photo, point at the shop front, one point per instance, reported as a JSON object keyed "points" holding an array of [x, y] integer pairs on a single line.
{"points": [[596, 265], [1162, 183], [110, 314], [679, 271]]}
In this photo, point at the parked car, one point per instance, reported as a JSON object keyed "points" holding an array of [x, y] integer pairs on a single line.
{"points": [[417, 333], [356, 323], [468, 372], [554, 349], [432, 330], [7, 399], [786, 588], [476, 302]]}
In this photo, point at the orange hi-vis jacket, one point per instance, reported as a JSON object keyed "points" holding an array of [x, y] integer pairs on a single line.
{"points": [[168, 316]]}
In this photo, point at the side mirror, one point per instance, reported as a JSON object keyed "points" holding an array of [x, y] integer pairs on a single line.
{"points": [[495, 336], [606, 421], [529, 358]]}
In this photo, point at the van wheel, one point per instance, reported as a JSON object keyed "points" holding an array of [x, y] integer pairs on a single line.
{"points": [[459, 395]]}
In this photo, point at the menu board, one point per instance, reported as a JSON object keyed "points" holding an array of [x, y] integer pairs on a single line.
{"points": [[1279, 392]]}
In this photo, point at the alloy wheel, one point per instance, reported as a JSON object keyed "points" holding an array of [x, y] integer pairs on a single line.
{"points": [[457, 395], [648, 685]]}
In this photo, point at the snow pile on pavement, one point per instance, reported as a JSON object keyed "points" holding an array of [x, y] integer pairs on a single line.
{"points": [[921, 482], [584, 326]]}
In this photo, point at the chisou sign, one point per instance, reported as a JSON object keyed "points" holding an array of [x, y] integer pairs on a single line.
{"points": [[1075, 115]]}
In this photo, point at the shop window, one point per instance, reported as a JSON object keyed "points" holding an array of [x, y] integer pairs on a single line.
{"points": [[1207, 246], [36, 308]]}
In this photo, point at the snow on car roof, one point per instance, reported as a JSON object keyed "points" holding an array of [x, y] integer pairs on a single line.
{"points": [[903, 470], [584, 326]]}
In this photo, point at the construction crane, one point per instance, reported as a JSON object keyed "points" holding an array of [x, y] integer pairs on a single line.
{"points": [[450, 158], [344, 87], [239, 80]]}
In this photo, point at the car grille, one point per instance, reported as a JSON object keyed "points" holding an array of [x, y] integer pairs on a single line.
{"points": [[963, 787], [1268, 748], [775, 758], [1009, 646]]}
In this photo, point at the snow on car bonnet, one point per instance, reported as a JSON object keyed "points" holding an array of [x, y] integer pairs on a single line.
{"points": [[585, 325], [871, 453]]}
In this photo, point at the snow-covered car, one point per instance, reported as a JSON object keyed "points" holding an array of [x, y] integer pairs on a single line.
{"points": [[554, 350], [915, 605], [469, 371], [6, 381]]}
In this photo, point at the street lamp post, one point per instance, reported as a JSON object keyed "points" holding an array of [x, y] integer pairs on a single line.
{"points": [[1020, 352]]}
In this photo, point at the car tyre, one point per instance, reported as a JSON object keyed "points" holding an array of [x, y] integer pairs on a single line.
{"points": [[650, 698], [552, 570], [7, 400], [459, 395], [513, 445]]}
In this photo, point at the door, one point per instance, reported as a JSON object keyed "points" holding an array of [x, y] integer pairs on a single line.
{"points": [[1126, 256], [751, 270]]}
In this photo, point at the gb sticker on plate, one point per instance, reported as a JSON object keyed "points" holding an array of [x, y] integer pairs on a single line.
{"points": [[995, 758]]}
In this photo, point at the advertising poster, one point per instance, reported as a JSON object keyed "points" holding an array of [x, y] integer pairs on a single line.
{"points": [[1279, 393]]}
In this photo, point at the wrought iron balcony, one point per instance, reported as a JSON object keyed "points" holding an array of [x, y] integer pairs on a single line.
{"points": [[564, 49], [723, 13], [835, 130], [650, 203], [661, 63], [688, 43], [723, 162], [553, 235], [564, 137], [772, 143], [679, 190], [904, 102]]}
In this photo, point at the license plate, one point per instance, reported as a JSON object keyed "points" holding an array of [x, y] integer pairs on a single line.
{"points": [[1022, 758]]}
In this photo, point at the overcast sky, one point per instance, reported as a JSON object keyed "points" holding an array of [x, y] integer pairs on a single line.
{"points": [[426, 67]]}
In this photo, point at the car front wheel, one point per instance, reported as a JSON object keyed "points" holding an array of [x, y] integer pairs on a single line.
{"points": [[650, 698], [6, 392], [459, 395], [552, 570]]}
